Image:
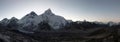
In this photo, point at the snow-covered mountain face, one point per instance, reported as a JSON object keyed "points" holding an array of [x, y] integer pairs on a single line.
{"points": [[29, 23], [28, 18], [53, 20], [4, 22], [13, 19]]}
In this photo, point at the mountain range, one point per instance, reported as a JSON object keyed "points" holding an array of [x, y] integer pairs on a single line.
{"points": [[49, 27], [29, 22], [32, 22]]}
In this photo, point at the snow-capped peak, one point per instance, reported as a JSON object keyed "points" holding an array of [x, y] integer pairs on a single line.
{"points": [[53, 20], [28, 19], [27, 22], [31, 20], [13, 18], [5, 21], [33, 13], [30, 15], [48, 12]]}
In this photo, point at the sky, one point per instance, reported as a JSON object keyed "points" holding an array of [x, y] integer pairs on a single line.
{"points": [[76, 10]]}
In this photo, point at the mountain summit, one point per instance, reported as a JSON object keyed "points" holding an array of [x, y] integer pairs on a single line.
{"points": [[48, 11], [33, 13], [29, 23], [53, 20]]}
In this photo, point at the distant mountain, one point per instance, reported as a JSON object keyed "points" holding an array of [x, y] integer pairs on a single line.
{"points": [[49, 27], [53, 20], [32, 22], [13, 23], [29, 23], [4, 22]]}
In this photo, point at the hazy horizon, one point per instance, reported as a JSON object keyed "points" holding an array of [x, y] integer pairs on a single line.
{"points": [[76, 10]]}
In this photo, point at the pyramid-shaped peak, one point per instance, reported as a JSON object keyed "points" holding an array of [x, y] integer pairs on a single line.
{"points": [[48, 11], [5, 19], [14, 18], [32, 13]]}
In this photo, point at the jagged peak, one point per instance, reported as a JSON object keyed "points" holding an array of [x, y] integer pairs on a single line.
{"points": [[13, 18], [48, 11], [33, 13], [5, 19]]}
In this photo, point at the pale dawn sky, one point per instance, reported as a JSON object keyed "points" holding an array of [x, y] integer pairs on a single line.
{"points": [[91, 10]]}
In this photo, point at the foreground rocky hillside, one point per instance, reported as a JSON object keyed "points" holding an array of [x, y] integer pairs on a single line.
{"points": [[101, 34]]}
